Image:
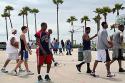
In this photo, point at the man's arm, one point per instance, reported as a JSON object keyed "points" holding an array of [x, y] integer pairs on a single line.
{"points": [[12, 41], [121, 39], [104, 39], [24, 40], [86, 37]]}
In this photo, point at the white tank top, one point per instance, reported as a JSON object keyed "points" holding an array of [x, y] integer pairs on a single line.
{"points": [[9, 47]]}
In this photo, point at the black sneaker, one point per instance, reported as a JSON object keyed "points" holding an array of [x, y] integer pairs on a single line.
{"points": [[47, 78], [93, 74], [40, 78], [88, 71], [78, 68], [55, 64], [121, 70], [110, 75]]}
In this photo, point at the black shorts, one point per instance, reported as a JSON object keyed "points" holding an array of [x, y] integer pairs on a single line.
{"points": [[107, 56]]}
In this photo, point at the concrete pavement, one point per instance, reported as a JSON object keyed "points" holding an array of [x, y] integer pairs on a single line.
{"points": [[65, 72]]}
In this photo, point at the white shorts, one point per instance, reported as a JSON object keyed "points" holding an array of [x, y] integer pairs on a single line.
{"points": [[13, 56], [101, 55], [87, 56]]}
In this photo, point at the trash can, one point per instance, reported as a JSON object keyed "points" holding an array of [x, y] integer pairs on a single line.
{"points": [[80, 54]]}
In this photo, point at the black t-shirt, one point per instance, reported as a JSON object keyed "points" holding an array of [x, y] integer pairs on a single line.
{"points": [[44, 41]]}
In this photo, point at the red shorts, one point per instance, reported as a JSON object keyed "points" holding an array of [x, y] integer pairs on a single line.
{"points": [[41, 59]]}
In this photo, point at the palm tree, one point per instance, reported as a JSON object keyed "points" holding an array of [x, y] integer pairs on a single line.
{"points": [[71, 19], [57, 2], [5, 15], [8, 9], [104, 11], [22, 13], [26, 10], [35, 11], [117, 8], [97, 20], [98, 11], [85, 19]]}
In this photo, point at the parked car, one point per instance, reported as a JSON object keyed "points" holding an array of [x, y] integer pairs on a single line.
{"points": [[3, 45]]}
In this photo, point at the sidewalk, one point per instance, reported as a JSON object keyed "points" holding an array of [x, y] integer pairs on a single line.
{"points": [[64, 73]]}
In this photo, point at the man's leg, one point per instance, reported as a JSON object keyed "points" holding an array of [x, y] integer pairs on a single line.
{"points": [[120, 66], [48, 61], [78, 66], [48, 68], [27, 68], [6, 63], [108, 67], [95, 65], [70, 52], [38, 71], [94, 68], [88, 68]]}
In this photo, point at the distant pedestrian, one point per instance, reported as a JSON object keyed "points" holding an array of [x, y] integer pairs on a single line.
{"points": [[63, 45], [68, 47], [60, 48], [56, 46]]}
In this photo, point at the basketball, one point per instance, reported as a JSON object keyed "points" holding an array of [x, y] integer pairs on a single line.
{"points": [[16, 44]]}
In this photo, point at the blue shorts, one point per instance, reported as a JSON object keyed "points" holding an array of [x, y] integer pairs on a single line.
{"points": [[24, 55]]}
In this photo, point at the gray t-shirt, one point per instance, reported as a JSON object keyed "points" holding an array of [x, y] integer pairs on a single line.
{"points": [[102, 42], [117, 40]]}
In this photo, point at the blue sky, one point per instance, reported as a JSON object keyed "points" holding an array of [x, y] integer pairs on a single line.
{"points": [[47, 13]]}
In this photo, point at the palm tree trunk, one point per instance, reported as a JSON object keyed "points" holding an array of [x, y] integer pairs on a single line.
{"points": [[117, 13], [28, 27], [98, 26], [85, 23], [6, 27], [72, 37], [35, 23], [105, 18], [10, 22], [57, 22], [23, 20]]}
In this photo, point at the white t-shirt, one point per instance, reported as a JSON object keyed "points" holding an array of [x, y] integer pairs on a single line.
{"points": [[9, 47]]}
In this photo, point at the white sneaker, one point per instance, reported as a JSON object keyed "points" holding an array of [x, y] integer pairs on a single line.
{"points": [[21, 70], [30, 73], [4, 70], [14, 72]]}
